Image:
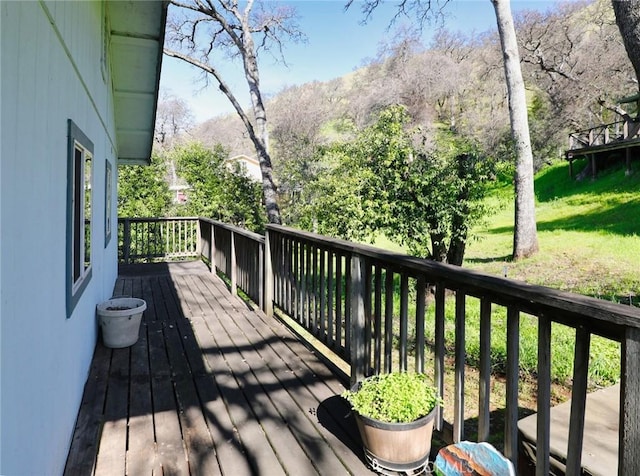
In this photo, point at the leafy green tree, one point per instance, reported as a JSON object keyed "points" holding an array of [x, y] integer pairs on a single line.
{"points": [[335, 202], [143, 190], [216, 191], [425, 197]]}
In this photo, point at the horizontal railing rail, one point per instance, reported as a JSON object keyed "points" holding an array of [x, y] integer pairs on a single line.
{"points": [[236, 253], [155, 239], [605, 134]]}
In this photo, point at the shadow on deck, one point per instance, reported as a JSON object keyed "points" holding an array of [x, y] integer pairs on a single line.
{"points": [[211, 387]]}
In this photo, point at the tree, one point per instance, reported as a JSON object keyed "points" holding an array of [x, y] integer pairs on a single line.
{"points": [[208, 27], [525, 237], [143, 190], [628, 19], [215, 190], [576, 64], [387, 181], [226, 130], [298, 116], [173, 119], [525, 241]]}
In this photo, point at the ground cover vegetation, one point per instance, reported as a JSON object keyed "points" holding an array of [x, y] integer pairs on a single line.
{"points": [[368, 156]]}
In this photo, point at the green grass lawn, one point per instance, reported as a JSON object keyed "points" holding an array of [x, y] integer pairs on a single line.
{"points": [[587, 231]]}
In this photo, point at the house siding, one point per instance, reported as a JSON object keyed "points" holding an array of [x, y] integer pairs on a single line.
{"points": [[51, 71]]}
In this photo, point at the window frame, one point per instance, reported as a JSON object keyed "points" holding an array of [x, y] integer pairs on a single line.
{"points": [[79, 190], [108, 204]]}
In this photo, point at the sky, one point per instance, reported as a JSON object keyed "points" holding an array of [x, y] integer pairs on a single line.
{"points": [[337, 44]]}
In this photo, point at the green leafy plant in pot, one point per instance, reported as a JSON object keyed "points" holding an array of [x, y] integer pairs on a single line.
{"points": [[395, 414]]}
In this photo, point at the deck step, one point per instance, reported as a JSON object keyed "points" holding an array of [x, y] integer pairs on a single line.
{"points": [[600, 447]]}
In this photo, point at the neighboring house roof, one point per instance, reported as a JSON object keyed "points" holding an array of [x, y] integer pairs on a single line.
{"points": [[137, 37], [251, 164]]}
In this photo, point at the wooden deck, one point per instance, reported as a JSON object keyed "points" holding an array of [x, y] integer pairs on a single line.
{"points": [[211, 387]]}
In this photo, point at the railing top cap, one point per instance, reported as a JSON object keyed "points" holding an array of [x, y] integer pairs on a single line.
{"points": [[480, 284], [235, 229]]}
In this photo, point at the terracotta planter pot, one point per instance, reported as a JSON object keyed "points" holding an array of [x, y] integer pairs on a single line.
{"points": [[396, 446]]}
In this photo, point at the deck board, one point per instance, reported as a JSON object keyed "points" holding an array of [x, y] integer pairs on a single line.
{"points": [[112, 450], [212, 387]]}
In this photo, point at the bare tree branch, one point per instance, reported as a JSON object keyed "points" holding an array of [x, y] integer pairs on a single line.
{"points": [[424, 11], [617, 109], [221, 83]]}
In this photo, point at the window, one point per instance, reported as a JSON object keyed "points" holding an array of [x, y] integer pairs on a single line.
{"points": [[79, 213], [107, 202]]}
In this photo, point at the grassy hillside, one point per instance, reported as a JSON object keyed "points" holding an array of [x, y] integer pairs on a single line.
{"points": [[588, 234]]}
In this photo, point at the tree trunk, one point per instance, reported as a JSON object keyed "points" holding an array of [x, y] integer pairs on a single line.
{"points": [[260, 114], [438, 247], [525, 238], [628, 21], [459, 231], [458, 244]]}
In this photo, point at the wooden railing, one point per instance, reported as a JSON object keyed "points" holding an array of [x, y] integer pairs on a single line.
{"points": [[236, 253], [356, 299], [604, 134], [153, 239], [346, 295]]}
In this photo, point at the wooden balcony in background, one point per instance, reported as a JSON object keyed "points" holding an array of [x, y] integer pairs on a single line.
{"points": [[604, 144]]}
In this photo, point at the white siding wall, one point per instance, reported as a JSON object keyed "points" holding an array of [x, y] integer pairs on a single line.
{"points": [[51, 72]]}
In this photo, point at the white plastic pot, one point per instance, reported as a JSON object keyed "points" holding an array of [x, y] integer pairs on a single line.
{"points": [[119, 320]]}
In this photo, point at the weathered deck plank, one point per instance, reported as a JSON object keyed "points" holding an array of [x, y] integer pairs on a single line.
{"points": [[84, 446], [211, 387], [112, 449], [141, 453], [310, 384], [270, 396]]}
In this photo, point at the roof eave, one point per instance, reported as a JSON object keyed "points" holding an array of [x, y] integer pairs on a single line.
{"points": [[137, 37]]}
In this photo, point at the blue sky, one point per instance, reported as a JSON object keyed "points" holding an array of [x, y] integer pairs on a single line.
{"points": [[337, 43]]}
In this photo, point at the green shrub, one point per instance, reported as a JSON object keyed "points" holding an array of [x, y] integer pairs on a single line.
{"points": [[397, 397]]}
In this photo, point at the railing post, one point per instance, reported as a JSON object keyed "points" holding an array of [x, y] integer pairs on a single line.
{"points": [[439, 369], [357, 319], [267, 269], [578, 402], [126, 241], [198, 238], [460, 357], [421, 286], [213, 250], [628, 454], [544, 396], [513, 373], [234, 265], [484, 394], [625, 130]]}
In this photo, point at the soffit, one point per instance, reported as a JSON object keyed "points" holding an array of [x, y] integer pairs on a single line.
{"points": [[137, 37]]}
